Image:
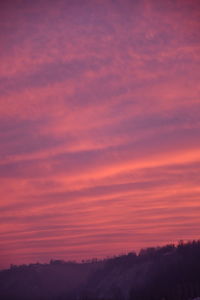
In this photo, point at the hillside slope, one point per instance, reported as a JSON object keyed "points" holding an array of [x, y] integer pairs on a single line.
{"points": [[170, 273]]}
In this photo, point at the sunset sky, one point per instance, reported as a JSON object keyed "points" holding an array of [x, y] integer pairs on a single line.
{"points": [[99, 127]]}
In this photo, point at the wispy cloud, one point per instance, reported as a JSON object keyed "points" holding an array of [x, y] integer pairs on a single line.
{"points": [[99, 127]]}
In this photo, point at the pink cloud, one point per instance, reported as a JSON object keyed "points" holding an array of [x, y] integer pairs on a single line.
{"points": [[99, 119]]}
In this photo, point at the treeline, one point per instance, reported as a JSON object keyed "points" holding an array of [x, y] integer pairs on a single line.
{"points": [[171, 272], [167, 273], [175, 273], [57, 262]]}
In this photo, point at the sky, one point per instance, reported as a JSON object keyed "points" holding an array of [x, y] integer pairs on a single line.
{"points": [[99, 127]]}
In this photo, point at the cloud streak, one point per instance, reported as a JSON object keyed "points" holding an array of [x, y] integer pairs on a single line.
{"points": [[99, 127]]}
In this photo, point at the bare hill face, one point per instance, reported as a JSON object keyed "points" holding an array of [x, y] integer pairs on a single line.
{"points": [[170, 273]]}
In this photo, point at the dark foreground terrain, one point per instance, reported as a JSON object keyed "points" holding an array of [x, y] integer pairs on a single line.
{"points": [[169, 272]]}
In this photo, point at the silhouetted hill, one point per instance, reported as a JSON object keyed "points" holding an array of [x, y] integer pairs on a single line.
{"points": [[45, 281], [169, 272]]}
